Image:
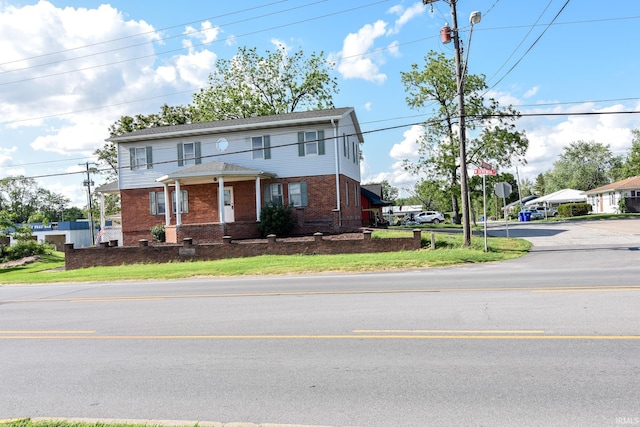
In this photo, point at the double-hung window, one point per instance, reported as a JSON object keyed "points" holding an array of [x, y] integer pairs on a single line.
{"points": [[273, 194], [189, 153], [298, 193], [140, 158], [311, 143], [184, 201], [156, 203], [261, 147]]}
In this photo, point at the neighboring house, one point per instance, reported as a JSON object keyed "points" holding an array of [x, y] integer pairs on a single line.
{"points": [[209, 180], [605, 199], [372, 204]]}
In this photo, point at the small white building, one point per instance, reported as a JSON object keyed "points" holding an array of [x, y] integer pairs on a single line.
{"points": [[606, 199]]}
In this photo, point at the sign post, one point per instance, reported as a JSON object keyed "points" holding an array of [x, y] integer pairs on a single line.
{"points": [[484, 170], [503, 189]]}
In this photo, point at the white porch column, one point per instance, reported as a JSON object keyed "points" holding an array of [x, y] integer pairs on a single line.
{"points": [[178, 204], [102, 216], [258, 199], [221, 199], [167, 205]]}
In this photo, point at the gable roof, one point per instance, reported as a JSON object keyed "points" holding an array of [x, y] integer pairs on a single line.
{"points": [[566, 195], [632, 183], [260, 122]]}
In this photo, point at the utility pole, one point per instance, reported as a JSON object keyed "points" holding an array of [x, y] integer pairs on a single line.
{"points": [[464, 186], [88, 183]]}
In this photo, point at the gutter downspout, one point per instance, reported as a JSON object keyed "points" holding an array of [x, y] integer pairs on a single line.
{"points": [[337, 151]]}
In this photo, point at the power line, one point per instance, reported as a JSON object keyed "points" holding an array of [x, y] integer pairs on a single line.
{"points": [[521, 42], [530, 47]]}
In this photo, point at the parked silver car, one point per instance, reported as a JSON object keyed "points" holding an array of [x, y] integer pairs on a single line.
{"points": [[429, 217]]}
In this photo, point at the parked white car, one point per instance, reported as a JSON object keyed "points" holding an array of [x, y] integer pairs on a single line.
{"points": [[549, 211], [429, 217]]}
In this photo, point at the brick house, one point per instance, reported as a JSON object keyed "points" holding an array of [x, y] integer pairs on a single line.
{"points": [[208, 180]]}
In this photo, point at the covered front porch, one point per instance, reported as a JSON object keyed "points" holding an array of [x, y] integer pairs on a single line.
{"points": [[226, 200]]}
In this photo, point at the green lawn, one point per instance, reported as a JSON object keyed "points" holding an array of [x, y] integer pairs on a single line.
{"points": [[449, 251]]}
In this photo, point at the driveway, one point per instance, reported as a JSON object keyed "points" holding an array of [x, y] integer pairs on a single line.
{"points": [[625, 232]]}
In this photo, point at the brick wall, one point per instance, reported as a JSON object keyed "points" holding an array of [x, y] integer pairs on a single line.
{"points": [[108, 254]]}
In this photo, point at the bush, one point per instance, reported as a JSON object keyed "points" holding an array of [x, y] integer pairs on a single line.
{"points": [[275, 219], [158, 234], [574, 209], [25, 248]]}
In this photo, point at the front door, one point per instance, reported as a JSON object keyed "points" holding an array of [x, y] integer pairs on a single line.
{"points": [[228, 205]]}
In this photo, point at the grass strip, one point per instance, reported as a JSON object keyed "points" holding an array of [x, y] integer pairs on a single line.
{"points": [[449, 251]]}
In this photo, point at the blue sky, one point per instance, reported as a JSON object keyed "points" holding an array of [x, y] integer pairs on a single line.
{"points": [[69, 69]]}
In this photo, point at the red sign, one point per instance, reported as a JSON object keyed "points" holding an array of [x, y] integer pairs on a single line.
{"points": [[480, 171]]}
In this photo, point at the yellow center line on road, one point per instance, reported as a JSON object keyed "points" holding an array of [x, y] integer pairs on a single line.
{"points": [[325, 337], [332, 292], [46, 332], [603, 289], [444, 331]]}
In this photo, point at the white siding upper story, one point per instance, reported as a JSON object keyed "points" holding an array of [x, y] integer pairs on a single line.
{"points": [[268, 147]]}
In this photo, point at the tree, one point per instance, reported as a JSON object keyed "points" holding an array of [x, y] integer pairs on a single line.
{"points": [[497, 141], [250, 85], [389, 192], [538, 187], [431, 195], [526, 187], [631, 163], [581, 166], [72, 214], [21, 198]]}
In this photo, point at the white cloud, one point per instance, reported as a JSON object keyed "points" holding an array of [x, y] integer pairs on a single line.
{"points": [[205, 35], [405, 15], [39, 84], [548, 136], [408, 147], [6, 156], [352, 62], [531, 92], [39, 87], [368, 106], [76, 138]]}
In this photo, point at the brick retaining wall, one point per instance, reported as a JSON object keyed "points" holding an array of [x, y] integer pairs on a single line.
{"points": [[109, 254]]}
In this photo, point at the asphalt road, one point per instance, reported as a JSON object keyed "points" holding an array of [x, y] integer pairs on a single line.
{"points": [[552, 338]]}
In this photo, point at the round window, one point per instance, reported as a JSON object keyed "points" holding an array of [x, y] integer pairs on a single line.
{"points": [[223, 144]]}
